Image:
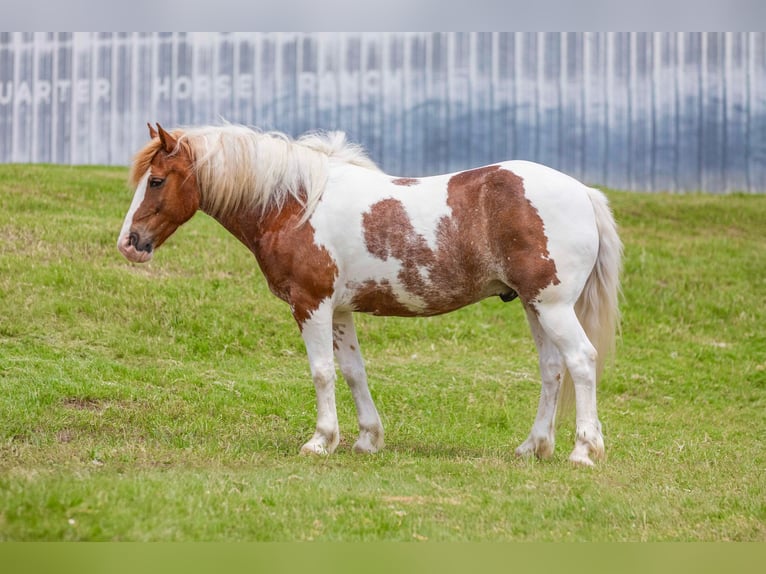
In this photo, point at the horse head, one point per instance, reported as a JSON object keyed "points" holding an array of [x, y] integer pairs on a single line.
{"points": [[166, 194]]}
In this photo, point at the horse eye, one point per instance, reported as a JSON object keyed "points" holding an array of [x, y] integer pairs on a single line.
{"points": [[156, 181]]}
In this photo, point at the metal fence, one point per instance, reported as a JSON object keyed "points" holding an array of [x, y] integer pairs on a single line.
{"points": [[641, 111]]}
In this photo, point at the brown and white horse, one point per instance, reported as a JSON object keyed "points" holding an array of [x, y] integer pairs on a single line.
{"points": [[335, 235]]}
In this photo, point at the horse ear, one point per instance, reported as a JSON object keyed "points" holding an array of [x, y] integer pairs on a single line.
{"points": [[169, 143], [152, 132]]}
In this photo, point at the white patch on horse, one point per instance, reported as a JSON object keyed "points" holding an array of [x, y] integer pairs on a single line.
{"points": [[425, 205], [138, 199]]}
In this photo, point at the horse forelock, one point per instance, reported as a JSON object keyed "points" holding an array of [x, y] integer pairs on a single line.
{"points": [[143, 159]]}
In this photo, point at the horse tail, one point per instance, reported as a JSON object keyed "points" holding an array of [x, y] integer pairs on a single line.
{"points": [[597, 308]]}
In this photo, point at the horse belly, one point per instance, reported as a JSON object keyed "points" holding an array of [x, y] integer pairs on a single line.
{"points": [[385, 298]]}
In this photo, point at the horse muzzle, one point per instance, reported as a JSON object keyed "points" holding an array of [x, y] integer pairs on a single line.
{"points": [[134, 248]]}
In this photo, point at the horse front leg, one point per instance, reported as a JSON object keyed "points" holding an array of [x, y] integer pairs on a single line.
{"points": [[352, 366], [317, 336]]}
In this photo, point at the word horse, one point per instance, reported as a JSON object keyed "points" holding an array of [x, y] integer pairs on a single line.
{"points": [[334, 235]]}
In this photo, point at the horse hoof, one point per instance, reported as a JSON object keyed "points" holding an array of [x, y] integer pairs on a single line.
{"points": [[541, 448], [360, 448], [524, 451], [580, 460], [365, 447], [581, 455], [369, 442], [314, 449]]}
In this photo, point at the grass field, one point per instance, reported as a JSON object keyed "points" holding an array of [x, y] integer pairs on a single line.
{"points": [[168, 402]]}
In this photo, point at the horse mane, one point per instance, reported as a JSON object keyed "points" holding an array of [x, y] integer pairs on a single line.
{"points": [[240, 167]]}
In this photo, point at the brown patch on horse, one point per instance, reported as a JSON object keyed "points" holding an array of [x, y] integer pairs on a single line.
{"points": [[444, 279], [388, 232], [406, 181], [337, 336], [494, 241], [379, 299], [517, 239], [297, 270]]}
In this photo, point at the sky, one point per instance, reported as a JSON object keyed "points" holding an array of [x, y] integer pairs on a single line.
{"points": [[382, 15]]}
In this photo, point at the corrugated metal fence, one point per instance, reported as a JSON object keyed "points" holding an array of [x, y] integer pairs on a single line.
{"points": [[643, 111]]}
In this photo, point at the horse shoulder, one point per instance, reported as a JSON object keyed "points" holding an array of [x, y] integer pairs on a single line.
{"points": [[298, 269]]}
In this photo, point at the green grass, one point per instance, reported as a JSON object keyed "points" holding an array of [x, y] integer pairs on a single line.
{"points": [[169, 401]]}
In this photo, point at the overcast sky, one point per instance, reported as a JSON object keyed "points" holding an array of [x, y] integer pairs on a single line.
{"points": [[383, 15]]}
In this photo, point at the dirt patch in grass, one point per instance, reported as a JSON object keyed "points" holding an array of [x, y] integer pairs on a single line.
{"points": [[422, 500], [84, 404]]}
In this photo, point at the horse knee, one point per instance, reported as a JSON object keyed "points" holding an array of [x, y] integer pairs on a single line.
{"points": [[551, 368], [323, 374]]}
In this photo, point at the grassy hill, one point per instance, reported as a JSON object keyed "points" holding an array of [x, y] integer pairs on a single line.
{"points": [[169, 401]]}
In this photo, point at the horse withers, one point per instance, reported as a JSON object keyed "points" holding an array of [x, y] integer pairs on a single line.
{"points": [[334, 235]]}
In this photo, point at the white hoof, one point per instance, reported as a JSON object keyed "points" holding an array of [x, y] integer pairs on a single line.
{"points": [[580, 459], [369, 442], [541, 447], [319, 445], [587, 445], [314, 449]]}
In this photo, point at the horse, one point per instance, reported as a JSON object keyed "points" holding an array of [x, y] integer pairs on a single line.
{"points": [[335, 235]]}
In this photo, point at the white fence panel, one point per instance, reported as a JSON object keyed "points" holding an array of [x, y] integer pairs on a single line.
{"points": [[642, 111]]}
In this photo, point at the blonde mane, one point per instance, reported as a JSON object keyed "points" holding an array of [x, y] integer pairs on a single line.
{"points": [[239, 167]]}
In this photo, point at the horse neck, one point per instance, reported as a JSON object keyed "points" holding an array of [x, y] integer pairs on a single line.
{"points": [[251, 225]]}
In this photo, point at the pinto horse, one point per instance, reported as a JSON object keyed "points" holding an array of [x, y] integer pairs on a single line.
{"points": [[334, 235]]}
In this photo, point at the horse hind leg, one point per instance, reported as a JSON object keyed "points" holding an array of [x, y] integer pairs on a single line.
{"points": [[541, 439], [351, 366], [560, 324]]}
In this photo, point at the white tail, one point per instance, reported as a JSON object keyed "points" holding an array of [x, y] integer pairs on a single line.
{"points": [[598, 305]]}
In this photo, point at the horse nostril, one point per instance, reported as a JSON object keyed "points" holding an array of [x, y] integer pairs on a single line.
{"points": [[134, 240]]}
